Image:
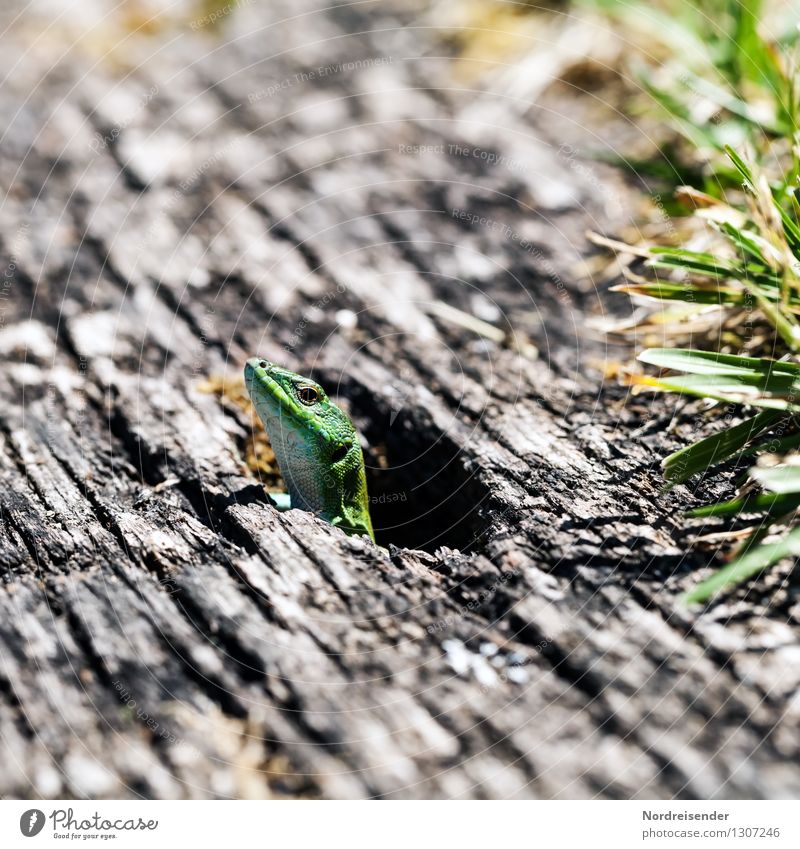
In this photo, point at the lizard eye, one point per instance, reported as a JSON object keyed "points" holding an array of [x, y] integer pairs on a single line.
{"points": [[263, 364], [308, 395]]}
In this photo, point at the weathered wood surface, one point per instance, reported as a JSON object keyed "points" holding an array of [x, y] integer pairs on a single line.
{"points": [[176, 205]]}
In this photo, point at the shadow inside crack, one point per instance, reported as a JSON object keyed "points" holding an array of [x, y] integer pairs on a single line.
{"points": [[423, 492]]}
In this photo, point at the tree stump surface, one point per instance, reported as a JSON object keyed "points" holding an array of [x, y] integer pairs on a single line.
{"points": [[328, 187]]}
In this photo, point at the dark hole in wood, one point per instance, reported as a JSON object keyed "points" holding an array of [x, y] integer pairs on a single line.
{"points": [[425, 500], [422, 493]]}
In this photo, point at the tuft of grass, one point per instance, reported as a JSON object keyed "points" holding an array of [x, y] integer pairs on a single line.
{"points": [[752, 266], [752, 273], [721, 72]]}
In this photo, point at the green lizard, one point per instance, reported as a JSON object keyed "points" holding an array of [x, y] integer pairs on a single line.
{"points": [[316, 446]]}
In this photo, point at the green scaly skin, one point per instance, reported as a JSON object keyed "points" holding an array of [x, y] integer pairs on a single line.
{"points": [[315, 443]]}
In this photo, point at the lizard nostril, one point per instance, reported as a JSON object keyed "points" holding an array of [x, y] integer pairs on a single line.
{"points": [[263, 364]]}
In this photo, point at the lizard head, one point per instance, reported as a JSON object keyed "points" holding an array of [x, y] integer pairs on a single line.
{"points": [[299, 417]]}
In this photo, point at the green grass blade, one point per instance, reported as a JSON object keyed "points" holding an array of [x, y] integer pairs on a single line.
{"points": [[718, 391], [699, 263], [744, 567], [741, 166], [686, 293], [710, 362], [701, 455], [744, 241], [777, 503]]}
